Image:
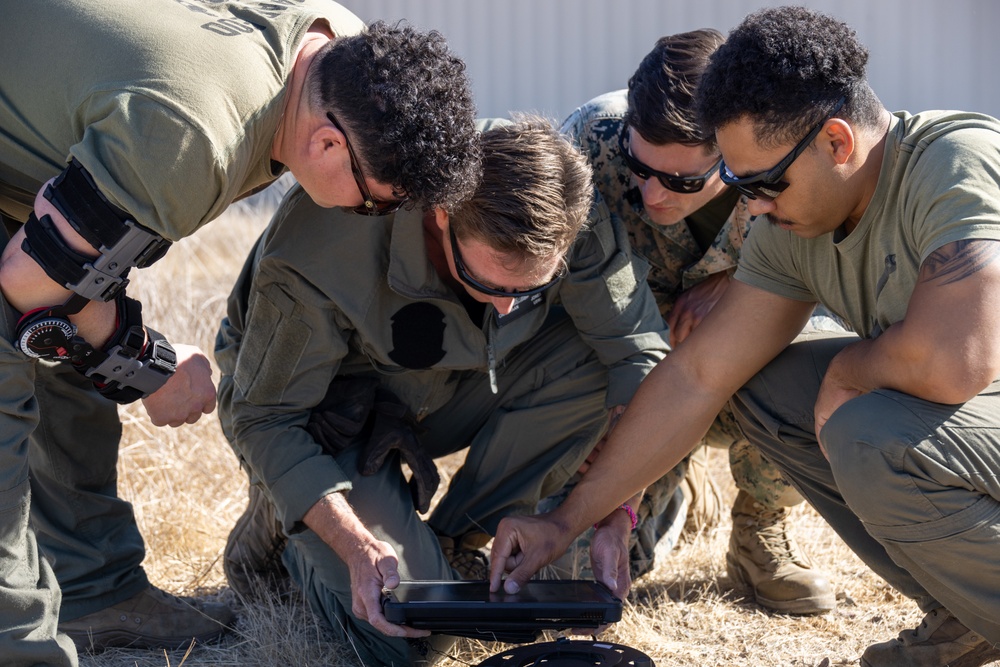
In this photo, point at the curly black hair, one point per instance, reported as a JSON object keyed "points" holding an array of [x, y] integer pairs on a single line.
{"points": [[786, 68], [405, 101]]}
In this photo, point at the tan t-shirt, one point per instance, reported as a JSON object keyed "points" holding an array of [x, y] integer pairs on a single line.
{"points": [[939, 183], [171, 105]]}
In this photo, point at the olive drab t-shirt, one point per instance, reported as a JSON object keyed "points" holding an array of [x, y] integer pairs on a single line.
{"points": [[171, 105], [939, 183]]}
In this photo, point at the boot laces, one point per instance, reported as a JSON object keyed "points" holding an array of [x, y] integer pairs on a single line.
{"points": [[772, 532]]}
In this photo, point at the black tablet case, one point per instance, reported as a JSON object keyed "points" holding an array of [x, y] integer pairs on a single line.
{"points": [[468, 609]]}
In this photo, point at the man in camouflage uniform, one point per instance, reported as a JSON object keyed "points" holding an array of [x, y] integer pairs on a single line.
{"points": [[658, 173]]}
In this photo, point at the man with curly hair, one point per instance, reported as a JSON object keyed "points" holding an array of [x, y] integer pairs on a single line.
{"points": [[126, 126], [658, 171], [891, 221], [513, 324]]}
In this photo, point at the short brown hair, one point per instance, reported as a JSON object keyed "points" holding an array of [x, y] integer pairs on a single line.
{"points": [[535, 194], [661, 93]]}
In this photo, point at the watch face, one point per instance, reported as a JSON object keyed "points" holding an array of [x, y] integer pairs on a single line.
{"points": [[49, 338]]}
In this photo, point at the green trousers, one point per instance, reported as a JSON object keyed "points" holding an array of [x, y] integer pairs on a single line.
{"points": [[82, 550], [86, 531], [29, 594], [524, 443], [912, 487]]}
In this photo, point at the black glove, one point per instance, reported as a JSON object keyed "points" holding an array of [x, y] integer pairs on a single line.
{"points": [[397, 428], [339, 419]]}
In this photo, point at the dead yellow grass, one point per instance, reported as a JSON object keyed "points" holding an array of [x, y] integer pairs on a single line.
{"points": [[188, 491]]}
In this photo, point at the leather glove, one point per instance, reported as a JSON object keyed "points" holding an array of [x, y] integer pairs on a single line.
{"points": [[343, 413], [396, 428]]}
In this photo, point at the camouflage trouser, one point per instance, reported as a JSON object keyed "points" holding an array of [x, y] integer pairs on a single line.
{"points": [[752, 473]]}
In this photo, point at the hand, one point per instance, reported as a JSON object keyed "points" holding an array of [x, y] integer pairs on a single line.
{"points": [[609, 559], [832, 394], [371, 562], [522, 546], [373, 567], [187, 395], [609, 553], [693, 305]]}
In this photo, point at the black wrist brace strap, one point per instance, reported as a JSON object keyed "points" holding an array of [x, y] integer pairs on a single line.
{"points": [[136, 361], [121, 242]]}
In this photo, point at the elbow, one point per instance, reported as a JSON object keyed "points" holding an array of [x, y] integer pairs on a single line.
{"points": [[961, 382]]}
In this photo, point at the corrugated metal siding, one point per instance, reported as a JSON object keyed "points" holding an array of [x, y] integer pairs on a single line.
{"points": [[552, 55]]}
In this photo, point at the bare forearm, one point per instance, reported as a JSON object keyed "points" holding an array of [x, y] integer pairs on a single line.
{"points": [[333, 519]]}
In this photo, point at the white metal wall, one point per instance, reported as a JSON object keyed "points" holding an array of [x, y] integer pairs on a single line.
{"points": [[552, 55]]}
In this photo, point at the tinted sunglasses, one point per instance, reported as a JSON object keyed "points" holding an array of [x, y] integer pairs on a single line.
{"points": [[371, 206], [768, 184], [475, 284], [683, 184]]}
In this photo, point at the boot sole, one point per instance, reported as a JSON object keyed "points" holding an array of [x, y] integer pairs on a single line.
{"points": [[95, 642]]}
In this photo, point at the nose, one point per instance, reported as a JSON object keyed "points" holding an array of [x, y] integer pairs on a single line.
{"points": [[653, 192], [503, 304], [760, 206]]}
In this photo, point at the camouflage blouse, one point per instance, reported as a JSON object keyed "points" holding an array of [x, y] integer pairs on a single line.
{"points": [[676, 261]]}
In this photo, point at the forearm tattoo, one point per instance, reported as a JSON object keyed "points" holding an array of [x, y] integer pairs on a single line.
{"points": [[959, 260]]}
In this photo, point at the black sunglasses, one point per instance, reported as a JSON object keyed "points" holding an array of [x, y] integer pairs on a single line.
{"points": [[467, 278], [371, 206], [683, 184], [768, 184]]}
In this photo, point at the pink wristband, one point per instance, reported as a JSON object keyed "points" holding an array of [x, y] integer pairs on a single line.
{"points": [[631, 515]]}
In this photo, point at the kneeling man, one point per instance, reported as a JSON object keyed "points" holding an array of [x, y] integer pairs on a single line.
{"points": [[515, 325]]}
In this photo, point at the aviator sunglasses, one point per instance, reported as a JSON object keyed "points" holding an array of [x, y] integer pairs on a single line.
{"points": [[682, 184], [768, 184], [371, 206], [475, 284]]}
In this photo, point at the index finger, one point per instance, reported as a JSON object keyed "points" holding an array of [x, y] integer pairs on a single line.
{"points": [[504, 546]]}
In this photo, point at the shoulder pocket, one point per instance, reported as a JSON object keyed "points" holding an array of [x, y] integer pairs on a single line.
{"points": [[271, 348]]}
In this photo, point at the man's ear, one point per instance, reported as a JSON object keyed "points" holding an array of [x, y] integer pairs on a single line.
{"points": [[326, 141], [441, 218], [839, 136]]}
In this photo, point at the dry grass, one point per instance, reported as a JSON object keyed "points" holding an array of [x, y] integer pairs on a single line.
{"points": [[188, 491]]}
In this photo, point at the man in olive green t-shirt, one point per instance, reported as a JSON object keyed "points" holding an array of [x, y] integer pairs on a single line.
{"points": [[166, 113], [658, 171], [892, 221]]}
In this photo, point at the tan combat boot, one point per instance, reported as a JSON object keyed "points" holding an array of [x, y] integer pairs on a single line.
{"points": [[763, 556], [940, 640]]}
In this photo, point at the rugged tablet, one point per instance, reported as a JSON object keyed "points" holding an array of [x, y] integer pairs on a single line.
{"points": [[467, 608]]}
